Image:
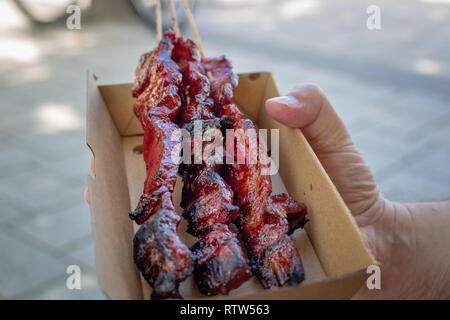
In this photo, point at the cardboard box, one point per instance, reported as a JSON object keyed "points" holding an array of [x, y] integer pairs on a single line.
{"points": [[334, 256]]}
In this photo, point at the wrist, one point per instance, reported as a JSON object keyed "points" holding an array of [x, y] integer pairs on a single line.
{"points": [[378, 228]]}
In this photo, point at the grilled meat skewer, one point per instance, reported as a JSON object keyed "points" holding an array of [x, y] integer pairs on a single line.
{"points": [[163, 259], [219, 262]]}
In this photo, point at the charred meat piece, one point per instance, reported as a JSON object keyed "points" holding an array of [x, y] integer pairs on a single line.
{"points": [[223, 79], [230, 111], [247, 171], [206, 197], [265, 229], [142, 74], [208, 201], [157, 82], [195, 88], [294, 212], [279, 264], [282, 215], [206, 137], [159, 254], [220, 265]]}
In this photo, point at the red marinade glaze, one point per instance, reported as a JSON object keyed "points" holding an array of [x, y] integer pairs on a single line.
{"points": [[223, 80], [195, 86], [159, 254], [207, 199], [264, 221], [220, 263]]}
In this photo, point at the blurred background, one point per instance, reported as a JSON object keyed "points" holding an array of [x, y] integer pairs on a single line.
{"points": [[391, 87]]}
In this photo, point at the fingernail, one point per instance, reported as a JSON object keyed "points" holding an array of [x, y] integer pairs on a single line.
{"points": [[289, 101]]}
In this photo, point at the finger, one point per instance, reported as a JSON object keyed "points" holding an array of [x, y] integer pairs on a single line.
{"points": [[86, 196], [307, 107], [92, 165], [299, 108]]}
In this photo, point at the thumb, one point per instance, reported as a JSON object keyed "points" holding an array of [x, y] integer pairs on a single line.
{"points": [[306, 107]]}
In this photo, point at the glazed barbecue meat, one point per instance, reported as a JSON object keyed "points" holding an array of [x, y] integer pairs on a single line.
{"points": [[159, 254], [223, 79], [295, 212], [279, 264], [281, 215], [158, 147], [264, 221], [206, 197], [219, 262], [210, 200], [157, 80], [195, 85]]}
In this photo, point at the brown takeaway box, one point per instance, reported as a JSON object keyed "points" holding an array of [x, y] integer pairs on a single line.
{"points": [[333, 254]]}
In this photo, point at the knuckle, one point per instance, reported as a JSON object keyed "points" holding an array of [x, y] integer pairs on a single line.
{"points": [[308, 93]]}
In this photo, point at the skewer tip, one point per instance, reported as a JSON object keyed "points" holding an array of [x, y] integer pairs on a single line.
{"points": [[158, 21], [194, 30], [173, 15]]}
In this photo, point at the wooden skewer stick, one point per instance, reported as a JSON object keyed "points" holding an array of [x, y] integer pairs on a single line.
{"points": [[190, 18], [173, 15], [158, 21]]}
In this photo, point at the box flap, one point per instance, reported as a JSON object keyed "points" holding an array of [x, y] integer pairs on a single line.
{"points": [[339, 287], [118, 98], [112, 229], [249, 94]]}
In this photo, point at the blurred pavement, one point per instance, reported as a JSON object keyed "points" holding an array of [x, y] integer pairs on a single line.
{"points": [[390, 86]]}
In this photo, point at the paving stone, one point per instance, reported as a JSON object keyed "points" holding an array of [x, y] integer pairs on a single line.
{"points": [[57, 289], [380, 153], [22, 266], [437, 160], [393, 131], [54, 146], [438, 129], [416, 105], [86, 255], [40, 189], [442, 133], [75, 167], [14, 159], [8, 211], [60, 226], [415, 183]]}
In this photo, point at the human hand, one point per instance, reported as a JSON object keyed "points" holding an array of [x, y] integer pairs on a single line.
{"points": [[87, 198], [413, 263]]}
